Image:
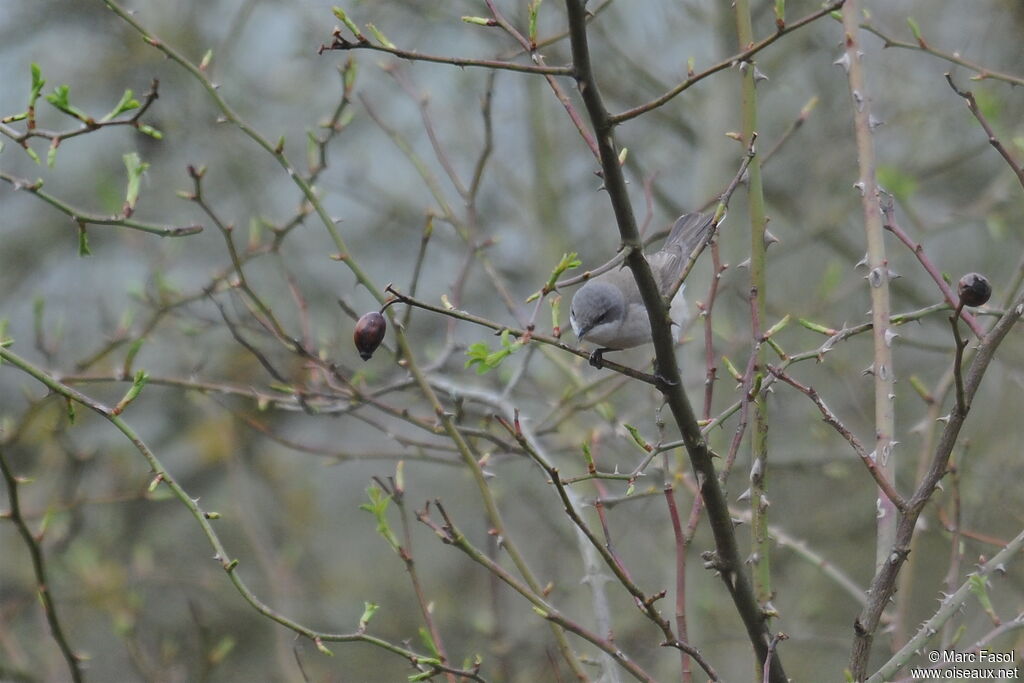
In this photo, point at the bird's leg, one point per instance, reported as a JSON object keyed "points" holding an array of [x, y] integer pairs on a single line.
{"points": [[597, 357]]}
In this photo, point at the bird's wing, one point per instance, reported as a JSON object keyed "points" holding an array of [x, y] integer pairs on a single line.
{"points": [[667, 263], [686, 234]]}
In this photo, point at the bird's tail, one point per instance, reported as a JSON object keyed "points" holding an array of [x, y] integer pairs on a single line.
{"points": [[687, 233]]}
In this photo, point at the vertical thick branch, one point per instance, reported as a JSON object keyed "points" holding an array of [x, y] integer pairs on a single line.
{"points": [[878, 277], [760, 551], [727, 557]]}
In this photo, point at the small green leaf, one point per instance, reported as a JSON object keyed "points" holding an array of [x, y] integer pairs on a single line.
{"points": [[479, 21], [324, 650], [605, 410], [133, 392], [381, 38], [777, 327], [312, 149], [815, 327], [83, 242], [400, 477], [340, 14], [51, 153], [31, 154], [378, 507], [150, 131], [59, 98], [731, 369], [485, 359], [533, 7], [916, 30], [37, 85], [135, 167], [638, 439], [126, 103], [221, 650], [777, 348], [425, 675], [428, 641], [477, 353], [587, 455], [133, 351], [556, 311], [71, 411], [567, 262], [369, 609], [204, 63], [920, 388], [978, 585], [349, 74]]}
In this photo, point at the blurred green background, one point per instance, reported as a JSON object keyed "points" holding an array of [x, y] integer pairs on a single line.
{"points": [[136, 586]]}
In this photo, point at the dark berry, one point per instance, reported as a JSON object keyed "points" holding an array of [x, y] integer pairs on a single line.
{"points": [[974, 289], [369, 333]]}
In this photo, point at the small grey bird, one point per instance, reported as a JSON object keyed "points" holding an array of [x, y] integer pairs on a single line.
{"points": [[609, 311]]}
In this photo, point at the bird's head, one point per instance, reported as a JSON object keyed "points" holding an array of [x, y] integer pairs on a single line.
{"points": [[596, 306]]}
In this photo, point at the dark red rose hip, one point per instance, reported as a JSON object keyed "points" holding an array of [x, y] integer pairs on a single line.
{"points": [[369, 333], [974, 289]]}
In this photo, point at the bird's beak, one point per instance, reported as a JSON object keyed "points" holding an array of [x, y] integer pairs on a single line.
{"points": [[577, 330]]}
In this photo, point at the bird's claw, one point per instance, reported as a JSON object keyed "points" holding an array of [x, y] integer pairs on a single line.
{"points": [[597, 358]]}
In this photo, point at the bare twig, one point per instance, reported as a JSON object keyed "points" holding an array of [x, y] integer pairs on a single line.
{"points": [[982, 72], [340, 42], [892, 226], [724, 64], [35, 550], [522, 335], [972, 104], [451, 535], [82, 217], [867, 458]]}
